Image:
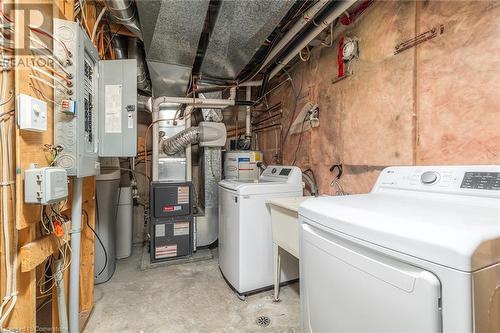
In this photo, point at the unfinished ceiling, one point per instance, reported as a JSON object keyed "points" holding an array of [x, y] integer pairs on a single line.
{"points": [[240, 30], [172, 31]]}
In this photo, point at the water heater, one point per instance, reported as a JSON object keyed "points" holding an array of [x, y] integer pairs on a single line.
{"points": [[242, 164]]}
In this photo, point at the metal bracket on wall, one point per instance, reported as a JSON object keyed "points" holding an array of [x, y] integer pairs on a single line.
{"points": [[434, 32]]}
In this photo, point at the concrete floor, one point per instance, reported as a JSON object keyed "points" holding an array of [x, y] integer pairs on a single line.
{"points": [[190, 297]]}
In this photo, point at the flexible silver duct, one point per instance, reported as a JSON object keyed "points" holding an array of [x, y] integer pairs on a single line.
{"points": [[124, 12], [181, 140], [135, 52]]}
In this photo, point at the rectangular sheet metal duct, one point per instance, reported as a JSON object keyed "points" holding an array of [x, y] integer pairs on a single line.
{"points": [[171, 31], [240, 30]]}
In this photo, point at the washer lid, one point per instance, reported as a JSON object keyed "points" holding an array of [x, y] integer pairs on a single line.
{"points": [[460, 232], [249, 187]]}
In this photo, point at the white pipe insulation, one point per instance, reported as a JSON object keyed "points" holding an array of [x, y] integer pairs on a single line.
{"points": [[333, 14], [197, 102], [294, 30], [248, 114]]}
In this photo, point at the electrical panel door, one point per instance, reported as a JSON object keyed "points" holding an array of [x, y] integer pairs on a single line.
{"points": [[118, 108]]}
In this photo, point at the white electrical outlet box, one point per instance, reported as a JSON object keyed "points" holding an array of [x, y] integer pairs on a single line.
{"points": [[31, 113], [45, 186]]}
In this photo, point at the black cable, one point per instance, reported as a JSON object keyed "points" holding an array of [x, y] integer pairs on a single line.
{"points": [[98, 238], [296, 101], [300, 140]]}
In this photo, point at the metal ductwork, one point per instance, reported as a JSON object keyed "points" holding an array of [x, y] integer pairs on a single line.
{"points": [[171, 32], [136, 52], [144, 103], [119, 44], [241, 28], [124, 12]]}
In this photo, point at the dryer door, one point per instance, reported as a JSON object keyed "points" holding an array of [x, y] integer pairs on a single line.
{"points": [[346, 287]]}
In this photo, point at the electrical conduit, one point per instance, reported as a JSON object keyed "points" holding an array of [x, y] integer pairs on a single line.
{"points": [[74, 269]]}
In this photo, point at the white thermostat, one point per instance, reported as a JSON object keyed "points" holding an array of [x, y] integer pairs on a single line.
{"points": [[31, 113], [45, 186]]}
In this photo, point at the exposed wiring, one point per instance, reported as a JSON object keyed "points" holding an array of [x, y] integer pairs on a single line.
{"points": [[331, 36], [98, 238], [38, 91], [296, 100], [41, 32], [47, 49], [65, 82], [84, 15], [129, 170], [11, 95], [96, 24], [66, 78], [10, 295], [65, 91], [300, 140], [308, 54], [49, 55], [54, 153]]}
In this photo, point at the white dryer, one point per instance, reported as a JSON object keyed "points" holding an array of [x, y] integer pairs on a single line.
{"points": [[245, 234], [420, 253]]}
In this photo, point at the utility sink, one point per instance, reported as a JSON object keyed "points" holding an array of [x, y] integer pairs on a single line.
{"points": [[285, 227], [285, 222]]}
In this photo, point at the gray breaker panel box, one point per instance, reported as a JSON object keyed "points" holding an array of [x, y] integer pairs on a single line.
{"points": [[117, 108], [171, 238], [169, 199], [77, 133]]}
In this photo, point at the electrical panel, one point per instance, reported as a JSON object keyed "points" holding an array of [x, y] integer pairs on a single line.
{"points": [[95, 115], [45, 186], [31, 113], [117, 108], [75, 107]]}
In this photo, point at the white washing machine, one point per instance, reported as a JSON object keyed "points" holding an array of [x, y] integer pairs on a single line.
{"points": [[245, 235], [420, 253]]}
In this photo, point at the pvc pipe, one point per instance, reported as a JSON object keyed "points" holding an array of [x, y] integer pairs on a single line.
{"points": [[248, 113], [74, 269], [309, 37], [332, 14], [290, 34], [201, 102], [188, 148]]}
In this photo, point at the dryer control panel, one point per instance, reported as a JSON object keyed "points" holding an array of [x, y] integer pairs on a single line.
{"points": [[482, 180]]}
